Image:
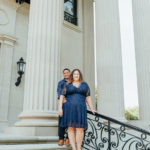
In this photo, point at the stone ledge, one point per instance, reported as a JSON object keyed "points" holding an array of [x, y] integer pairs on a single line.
{"points": [[34, 147], [14, 139], [72, 27]]}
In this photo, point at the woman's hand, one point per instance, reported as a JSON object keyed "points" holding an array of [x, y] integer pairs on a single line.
{"points": [[93, 111], [64, 100], [60, 112], [89, 102]]}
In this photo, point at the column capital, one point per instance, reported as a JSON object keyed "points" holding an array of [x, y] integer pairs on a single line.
{"points": [[8, 39]]}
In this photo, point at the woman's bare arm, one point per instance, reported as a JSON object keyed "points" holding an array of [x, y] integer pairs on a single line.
{"points": [[89, 102], [60, 111]]}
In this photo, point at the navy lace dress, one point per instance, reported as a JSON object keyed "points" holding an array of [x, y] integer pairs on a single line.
{"points": [[74, 109]]}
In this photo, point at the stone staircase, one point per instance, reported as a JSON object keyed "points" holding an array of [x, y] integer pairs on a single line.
{"points": [[33, 147], [11, 142]]}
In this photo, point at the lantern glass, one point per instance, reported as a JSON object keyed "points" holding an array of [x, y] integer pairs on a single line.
{"points": [[21, 66]]}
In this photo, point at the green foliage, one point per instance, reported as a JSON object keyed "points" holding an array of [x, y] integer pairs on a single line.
{"points": [[132, 113]]}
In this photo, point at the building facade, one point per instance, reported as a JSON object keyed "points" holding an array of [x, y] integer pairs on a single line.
{"points": [[56, 34]]}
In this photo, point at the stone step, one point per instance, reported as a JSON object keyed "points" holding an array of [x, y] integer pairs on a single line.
{"points": [[34, 147], [9, 139]]}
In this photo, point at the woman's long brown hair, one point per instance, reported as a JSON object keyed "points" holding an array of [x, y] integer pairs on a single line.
{"points": [[80, 76]]}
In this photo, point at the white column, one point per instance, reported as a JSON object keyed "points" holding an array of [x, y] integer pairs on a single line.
{"points": [[40, 101], [141, 18], [109, 59], [88, 46], [6, 56]]}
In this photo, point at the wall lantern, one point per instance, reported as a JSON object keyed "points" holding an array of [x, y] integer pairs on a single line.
{"points": [[21, 68]]}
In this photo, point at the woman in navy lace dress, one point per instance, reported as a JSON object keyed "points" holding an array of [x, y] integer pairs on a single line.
{"points": [[74, 112]]}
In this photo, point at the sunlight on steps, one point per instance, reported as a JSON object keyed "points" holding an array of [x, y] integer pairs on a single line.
{"points": [[34, 147]]}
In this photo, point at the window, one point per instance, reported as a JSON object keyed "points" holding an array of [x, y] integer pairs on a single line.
{"points": [[70, 11], [22, 1]]}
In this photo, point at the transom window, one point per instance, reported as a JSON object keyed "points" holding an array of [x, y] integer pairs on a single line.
{"points": [[70, 11]]}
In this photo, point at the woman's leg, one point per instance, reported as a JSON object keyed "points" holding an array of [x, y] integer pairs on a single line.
{"points": [[79, 137], [72, 137]]}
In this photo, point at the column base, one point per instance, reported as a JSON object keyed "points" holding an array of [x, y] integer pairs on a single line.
{"points": [[37, 119], [36, 123], [141, 124]]}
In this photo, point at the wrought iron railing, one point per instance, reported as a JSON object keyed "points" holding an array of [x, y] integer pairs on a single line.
{"points": [[70, 18], [105, 133]]}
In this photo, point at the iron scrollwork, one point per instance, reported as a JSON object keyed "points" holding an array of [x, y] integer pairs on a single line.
{"points": [[104, 133]]}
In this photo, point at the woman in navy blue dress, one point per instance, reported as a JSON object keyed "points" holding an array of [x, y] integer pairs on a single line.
{"points": [[74, 110]]}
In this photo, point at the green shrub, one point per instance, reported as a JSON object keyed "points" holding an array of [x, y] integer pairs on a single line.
{"points": [[132, 113]]}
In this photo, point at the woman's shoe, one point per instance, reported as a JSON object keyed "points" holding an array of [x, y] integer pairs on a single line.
{"points": [[67, 142]]}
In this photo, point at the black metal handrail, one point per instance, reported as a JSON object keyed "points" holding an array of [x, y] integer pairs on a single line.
{"points": [[106, 133], [119, 122]]}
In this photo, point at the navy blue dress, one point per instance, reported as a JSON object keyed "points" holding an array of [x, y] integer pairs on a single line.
{"points": [[74, 109]]}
